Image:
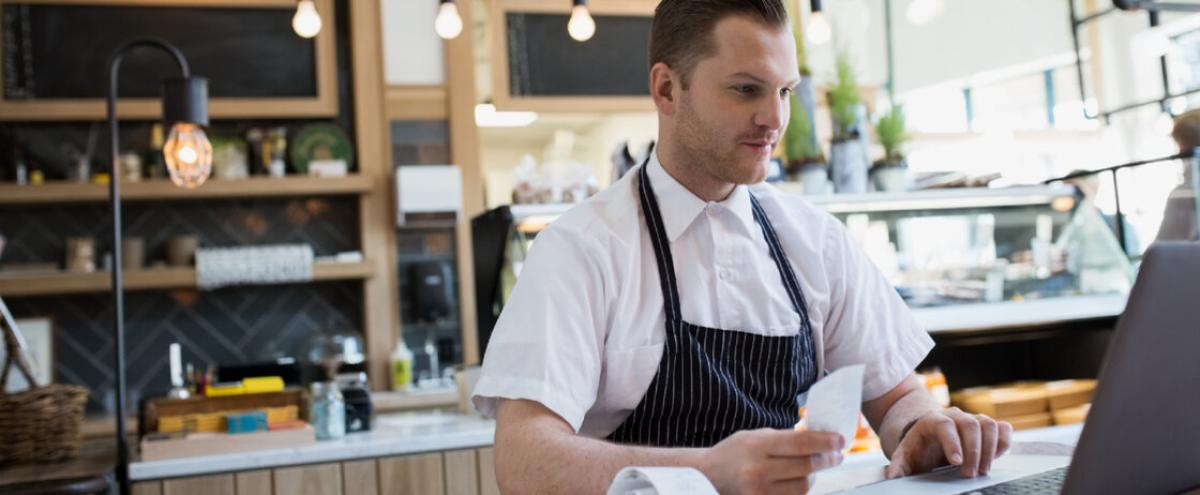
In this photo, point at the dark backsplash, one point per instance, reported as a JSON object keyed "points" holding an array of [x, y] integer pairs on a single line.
{"points": [[224, 326]]}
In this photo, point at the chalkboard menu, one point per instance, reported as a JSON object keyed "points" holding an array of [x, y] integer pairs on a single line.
{"points": [[543, 60], [61, 51]]}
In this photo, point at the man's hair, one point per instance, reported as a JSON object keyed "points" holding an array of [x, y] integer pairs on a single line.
{"points": [[1187, 129], [682, 31]]}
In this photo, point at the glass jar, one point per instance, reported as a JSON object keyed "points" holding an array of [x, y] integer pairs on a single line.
{"points": [[328, 411]]}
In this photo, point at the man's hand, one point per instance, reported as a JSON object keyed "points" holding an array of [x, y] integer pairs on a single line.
{"points": [[770, 461], [971, 441]]}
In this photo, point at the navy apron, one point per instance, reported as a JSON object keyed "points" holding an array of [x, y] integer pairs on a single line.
{"points": [[711, 382]]}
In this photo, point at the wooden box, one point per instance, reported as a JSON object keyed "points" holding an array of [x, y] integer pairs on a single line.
{"points": [[158, 408]]}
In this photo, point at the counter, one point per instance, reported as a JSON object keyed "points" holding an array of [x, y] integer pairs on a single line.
{"points": [[409, 446], [392, 435], [1015, 314]]}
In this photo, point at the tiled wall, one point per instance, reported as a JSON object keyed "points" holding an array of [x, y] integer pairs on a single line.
{"points": [[223, 326]]}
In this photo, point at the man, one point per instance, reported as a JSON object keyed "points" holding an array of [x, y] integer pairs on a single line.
{"points": [[1179, 216], [674, 318]]}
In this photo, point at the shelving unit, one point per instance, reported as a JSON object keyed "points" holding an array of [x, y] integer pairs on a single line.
{"points": [[933, 199], [35, 284], [59, 192]]}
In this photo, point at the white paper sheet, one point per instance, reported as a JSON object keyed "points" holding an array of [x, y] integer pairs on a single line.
{"points": [[833, 403], [661, 481]]}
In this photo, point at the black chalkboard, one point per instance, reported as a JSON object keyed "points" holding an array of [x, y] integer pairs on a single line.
{"points": [[543, 60], [61, 51]]}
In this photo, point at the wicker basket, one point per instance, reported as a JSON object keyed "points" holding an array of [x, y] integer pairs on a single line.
{"points": [[41, 424]]}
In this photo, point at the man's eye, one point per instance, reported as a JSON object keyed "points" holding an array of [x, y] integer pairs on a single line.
{"points": [[786, 92], [745, 89]]}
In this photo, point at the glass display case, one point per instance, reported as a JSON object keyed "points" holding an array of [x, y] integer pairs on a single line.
{"points": [[963, 259], [959, 246]]}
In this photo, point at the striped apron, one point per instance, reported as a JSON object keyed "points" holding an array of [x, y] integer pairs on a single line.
{"points": [[712, 382]]}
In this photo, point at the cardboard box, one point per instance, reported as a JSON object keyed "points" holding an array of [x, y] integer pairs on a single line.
{"points": [[1064, 394], [1025, 422], [1002, 401], [1071, 415]]}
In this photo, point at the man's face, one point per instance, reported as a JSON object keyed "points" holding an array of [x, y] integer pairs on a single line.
{"points": [[736, 106]]}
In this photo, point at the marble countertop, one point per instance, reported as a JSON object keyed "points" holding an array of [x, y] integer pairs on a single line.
{"points": [[1013, 314], [391, 435], [432, 431]]}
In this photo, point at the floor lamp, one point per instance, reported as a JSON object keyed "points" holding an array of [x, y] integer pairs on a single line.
{"points": [[188, 155]]}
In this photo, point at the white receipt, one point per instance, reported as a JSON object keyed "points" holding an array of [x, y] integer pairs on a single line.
{"points": [[833, 403], [660, 480]]}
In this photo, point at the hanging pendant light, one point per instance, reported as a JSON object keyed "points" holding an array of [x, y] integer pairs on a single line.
{"points": [[818, 30], [307, 21], [581, 27], [448, 23]]}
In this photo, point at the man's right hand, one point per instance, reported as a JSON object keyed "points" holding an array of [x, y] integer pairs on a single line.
{"points": [[770, 461]]}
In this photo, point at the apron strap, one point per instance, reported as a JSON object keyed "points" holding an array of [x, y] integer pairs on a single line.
{"points": [[662, 245], [790, 282]]}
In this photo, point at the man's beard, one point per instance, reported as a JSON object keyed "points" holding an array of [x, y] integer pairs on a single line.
{"points": [[706, 151], [700, 147]]}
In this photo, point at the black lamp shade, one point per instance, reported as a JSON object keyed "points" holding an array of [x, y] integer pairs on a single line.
{"points": [[815, 5], [186, 100]]}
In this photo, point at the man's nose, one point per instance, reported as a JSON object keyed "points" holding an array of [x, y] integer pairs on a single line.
{"points": [[772, 113]]}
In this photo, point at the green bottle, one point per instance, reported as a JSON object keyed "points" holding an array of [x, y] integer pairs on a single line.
{"points": [[401, 359]]}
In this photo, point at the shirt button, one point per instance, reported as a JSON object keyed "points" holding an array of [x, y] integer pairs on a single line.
{"points": [[723, 274]]}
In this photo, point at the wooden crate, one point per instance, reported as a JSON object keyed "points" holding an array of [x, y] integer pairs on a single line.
{"points": [[157, 408]]}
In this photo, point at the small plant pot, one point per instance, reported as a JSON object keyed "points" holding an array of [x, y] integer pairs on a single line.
{"points": [[849, 166], [814, 177], [890, 177]]}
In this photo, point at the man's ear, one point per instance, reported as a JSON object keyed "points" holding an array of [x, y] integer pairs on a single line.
{"points": [[664, 84]]}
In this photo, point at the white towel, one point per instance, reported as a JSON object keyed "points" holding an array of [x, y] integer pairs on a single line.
{"points": [[220, 267]]}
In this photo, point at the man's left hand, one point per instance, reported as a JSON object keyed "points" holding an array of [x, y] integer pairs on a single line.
{"points": [[971, 441]]}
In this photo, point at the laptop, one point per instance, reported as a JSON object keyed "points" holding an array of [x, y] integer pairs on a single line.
{"points": [[1142, 434]]}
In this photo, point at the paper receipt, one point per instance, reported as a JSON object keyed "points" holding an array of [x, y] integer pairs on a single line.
{"points": [[833, 403]]}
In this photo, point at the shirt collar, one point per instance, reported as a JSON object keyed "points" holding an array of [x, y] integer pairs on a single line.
{"points": [[679, 207]]}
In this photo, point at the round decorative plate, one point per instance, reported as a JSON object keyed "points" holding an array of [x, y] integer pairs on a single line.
{"points": [[320, 141]]}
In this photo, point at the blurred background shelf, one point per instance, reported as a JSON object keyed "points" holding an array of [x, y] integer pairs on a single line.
{"points": [[933, 199], [163, 190], [42, 283]]}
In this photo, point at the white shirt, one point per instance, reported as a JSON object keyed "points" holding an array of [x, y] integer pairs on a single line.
{"points": [[583, 330]]}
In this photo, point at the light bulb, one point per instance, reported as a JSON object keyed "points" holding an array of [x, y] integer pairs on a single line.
{"points": [[581, 27], [307, 21], [188, 155], [921, 12], [448, 23], [819, 31]]}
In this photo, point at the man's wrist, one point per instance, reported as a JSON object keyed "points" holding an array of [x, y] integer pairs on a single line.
{"points": [[907, 427]]}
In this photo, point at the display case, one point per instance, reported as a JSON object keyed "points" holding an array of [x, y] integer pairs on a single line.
{"points": [[963, 259]]}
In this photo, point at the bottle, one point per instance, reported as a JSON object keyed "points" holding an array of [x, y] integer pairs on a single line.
{"points": [[278, 140], [156, 165], [434, 370], [22, 168], [328, 412], [402, 360]]}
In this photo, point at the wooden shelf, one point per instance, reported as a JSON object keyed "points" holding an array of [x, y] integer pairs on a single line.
{"points": [[36, 284], [164, 190]]}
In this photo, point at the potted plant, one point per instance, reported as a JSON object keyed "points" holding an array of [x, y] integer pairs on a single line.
{"points": [[804, 161], [889, 174], [848, 161]]}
